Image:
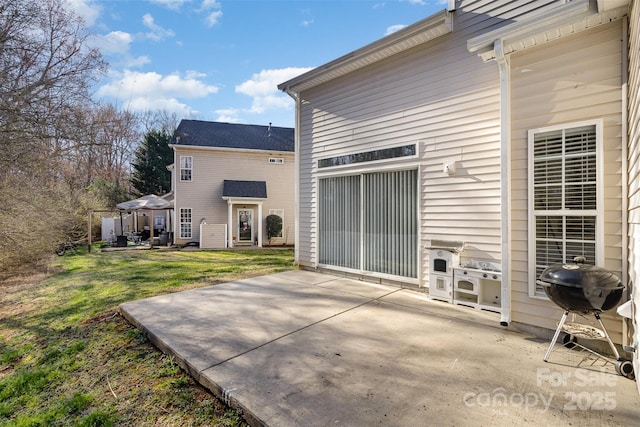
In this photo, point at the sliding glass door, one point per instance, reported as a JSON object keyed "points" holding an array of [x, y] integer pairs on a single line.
{"points": [[369, 222]]}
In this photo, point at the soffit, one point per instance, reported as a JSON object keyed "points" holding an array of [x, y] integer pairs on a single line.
{"points": [[550, 25]]}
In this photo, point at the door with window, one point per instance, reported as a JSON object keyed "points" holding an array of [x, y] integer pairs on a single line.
{"points": [[245, 225]]}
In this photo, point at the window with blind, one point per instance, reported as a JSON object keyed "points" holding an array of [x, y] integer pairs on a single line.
{"points": [[563, 197], [369, 222]]}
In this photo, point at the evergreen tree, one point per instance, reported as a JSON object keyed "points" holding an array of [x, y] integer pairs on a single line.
{"points": [[150, 174]]}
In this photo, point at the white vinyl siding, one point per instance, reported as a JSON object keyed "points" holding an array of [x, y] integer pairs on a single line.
{"points": [[186, 168], [437, 95], [369, 222], [563, 198], [573, 80], [634, 172], [186, 222]]}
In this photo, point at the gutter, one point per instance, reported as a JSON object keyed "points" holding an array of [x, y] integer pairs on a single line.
{"points": [[231, 149]]}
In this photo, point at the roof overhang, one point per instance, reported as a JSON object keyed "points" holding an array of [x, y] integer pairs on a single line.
{"points": [[561, 21], [416, 34], [248, 191], [231, 149]]}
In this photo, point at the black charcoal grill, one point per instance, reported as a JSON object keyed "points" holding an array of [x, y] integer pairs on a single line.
{"points": [[584, 289]]}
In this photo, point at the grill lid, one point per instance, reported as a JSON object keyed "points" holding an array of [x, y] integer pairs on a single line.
{"points": [[579, 275]]}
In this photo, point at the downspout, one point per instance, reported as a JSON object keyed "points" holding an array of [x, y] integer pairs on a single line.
{"points": [[505, 180], [296, 176]]}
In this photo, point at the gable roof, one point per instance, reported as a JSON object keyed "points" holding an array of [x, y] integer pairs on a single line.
{"points": [[248, 189], [200, 133]]}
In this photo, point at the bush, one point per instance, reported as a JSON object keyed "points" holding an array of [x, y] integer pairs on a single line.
{"points": [[274, 227]]}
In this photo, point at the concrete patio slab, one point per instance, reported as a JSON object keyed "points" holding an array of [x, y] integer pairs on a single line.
{"points": [[303, 348]]}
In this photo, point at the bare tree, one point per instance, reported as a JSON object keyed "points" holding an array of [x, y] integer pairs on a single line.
{"points": [[161, 121], [46, 71]]}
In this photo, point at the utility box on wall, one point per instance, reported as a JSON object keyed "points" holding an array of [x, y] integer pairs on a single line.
{"points": [[213, 236]]}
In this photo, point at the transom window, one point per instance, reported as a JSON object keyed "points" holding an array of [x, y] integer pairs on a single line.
{"points": [[186, 168], [369, 156], [563, 197]]}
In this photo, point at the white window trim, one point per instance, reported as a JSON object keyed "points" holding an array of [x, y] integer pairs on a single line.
{"points": [[180, 223], [181, 169], [599, 247], [362, 169]]}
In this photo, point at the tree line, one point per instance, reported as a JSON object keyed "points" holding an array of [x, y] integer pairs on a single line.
{"points": [[61, 152]]}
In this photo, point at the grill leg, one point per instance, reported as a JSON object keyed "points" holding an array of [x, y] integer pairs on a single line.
{"points": [[556, 335], [606, 334]]}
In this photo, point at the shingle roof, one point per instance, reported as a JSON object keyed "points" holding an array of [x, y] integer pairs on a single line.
{"points": [[253, 189], [232, 135]]}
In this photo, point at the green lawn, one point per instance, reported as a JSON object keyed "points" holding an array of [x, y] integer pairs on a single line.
{"points": [[67, 357]]}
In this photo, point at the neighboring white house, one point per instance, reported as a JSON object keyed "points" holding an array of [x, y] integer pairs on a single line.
{"points": [[506, 125], [231, 177]]}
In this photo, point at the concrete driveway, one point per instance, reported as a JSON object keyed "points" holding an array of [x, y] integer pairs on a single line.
{"points": [[306, 349]]}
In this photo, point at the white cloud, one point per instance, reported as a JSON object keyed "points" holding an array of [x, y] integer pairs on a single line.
{"points": [[140, 91], [87, 9], [157, 32], [393, 28], [307, 23], [229, 115], [116, 45], [210, 4], [212, 10], [213, 18], [170, 4], [263, 88], [115, 42]]}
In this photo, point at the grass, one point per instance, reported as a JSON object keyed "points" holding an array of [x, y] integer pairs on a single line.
{"points": [[67, 357]]}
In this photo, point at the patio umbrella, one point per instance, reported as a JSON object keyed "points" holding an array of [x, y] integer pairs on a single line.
{"points": [[150, 201]]}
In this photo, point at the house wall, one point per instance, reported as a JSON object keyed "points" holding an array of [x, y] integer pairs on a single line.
{"points": [[574, 79], [633, 84], [204, 193], [438, 95]]}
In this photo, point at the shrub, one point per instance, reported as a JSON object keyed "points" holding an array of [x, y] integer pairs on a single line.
{"points": [[274, 227]]}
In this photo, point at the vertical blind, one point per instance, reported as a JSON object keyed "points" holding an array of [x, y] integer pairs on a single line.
{"points": [[369, 222], [339, 221]]}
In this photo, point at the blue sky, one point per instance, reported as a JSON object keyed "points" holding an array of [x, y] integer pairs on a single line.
{"points": [[222, 60]]}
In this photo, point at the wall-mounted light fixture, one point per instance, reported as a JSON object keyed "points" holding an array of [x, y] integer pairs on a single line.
{"points": [[449, 168]]}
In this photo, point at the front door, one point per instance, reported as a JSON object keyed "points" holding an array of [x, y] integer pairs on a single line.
{"points": [[245, 225]]}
